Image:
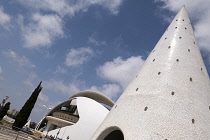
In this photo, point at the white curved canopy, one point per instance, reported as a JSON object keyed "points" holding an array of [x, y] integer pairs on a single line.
{"points": [[95, 96]]}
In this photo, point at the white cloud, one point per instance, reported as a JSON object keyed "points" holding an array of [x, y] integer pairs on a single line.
{"points": [[121, 71], [30, 81], [112, 5], [41, 31], [20, 60], [4, 18], [76, 57], [202, 31], [60, 69], [71, 7], [96, 42], [109, 90], [199, 11], [61, 88], [44, 98]]}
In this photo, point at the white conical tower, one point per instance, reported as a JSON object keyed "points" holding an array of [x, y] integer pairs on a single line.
{"points": [[169, 99]]}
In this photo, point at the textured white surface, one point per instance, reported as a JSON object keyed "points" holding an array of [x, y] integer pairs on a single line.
{"points": [[170, 97], [91, 115]]}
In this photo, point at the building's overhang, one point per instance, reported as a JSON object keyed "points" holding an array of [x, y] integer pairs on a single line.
{"points": [[51, 118]]}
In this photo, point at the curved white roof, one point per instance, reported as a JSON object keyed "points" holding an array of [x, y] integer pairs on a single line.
{"points": [[91, 114], [95, 96], [89, 94]]}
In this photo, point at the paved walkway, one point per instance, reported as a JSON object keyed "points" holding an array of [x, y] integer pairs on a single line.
{"points": [[12, 135]]}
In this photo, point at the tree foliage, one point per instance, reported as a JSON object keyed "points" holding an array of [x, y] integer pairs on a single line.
{"points": [[4, 110], [23, 115]]}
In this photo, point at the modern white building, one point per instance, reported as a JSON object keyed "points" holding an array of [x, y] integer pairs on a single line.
{"points": [[76, 118], [169, 99]]}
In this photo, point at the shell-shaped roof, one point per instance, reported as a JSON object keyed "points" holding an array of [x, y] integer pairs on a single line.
{"points": [[95, 96]]}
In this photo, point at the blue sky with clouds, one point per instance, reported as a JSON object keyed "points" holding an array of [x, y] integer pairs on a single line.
{"points": [[77, 45]]}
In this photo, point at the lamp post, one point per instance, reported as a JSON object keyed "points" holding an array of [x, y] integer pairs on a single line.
{"points": [[38, 125], [47, 109]]}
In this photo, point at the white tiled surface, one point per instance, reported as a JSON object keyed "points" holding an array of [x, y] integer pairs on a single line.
{"points": [[168, 116]]}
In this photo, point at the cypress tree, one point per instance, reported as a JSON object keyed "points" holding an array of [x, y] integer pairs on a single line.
{"points": [[4, 110], [25, 112]]}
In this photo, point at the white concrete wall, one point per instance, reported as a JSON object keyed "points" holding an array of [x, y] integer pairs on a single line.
{"points": [[91, 115], [169, 99]]}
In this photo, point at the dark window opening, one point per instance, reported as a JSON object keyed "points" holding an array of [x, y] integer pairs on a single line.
{"points": [[115, 135], [159, 73], [70, 108], [172, 93], [190, 79], [169, 47], [145, 109]]}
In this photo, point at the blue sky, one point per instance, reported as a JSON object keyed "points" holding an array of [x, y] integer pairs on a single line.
{"points": [[73, 46]]}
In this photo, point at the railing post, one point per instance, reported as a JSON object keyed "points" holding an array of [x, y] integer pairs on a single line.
{"points": [[17, 136]]}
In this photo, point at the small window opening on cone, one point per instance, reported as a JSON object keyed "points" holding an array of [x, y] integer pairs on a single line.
{"points": [[177, 60], [137, 89], [159, 73], [145, 109], [169, 47], [190, 79], [172, 93], [193, 121], [188, 50], [180, 37], [153, 60]]}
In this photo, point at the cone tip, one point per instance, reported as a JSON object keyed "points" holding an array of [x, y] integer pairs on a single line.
{"points": [[184, 7]]}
